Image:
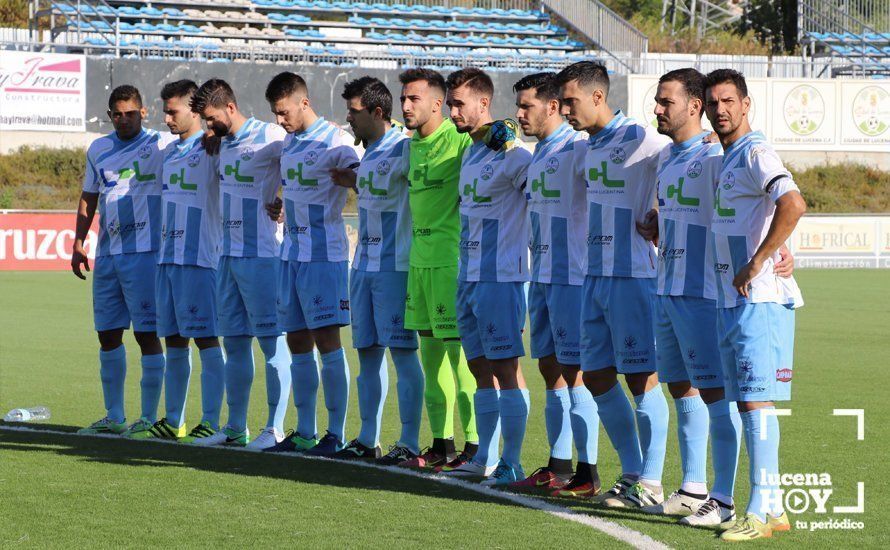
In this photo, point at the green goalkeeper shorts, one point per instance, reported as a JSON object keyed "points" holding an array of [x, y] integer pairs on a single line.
{"points": [[430, 303]]}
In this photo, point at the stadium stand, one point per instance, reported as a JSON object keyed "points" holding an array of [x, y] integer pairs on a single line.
{"points": [[852, 32], [340, 33]]}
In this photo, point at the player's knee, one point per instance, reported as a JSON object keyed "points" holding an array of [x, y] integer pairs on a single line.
{"points": [[148, 342], [551, 371], [640, 383], [680, 390], [572, 375], [711, 395], [300, 341], [327, 338], [207, 342], [176, 341], [110, 339], [600, 381]]}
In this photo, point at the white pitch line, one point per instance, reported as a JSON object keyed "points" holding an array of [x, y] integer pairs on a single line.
{"points": [[615, 530]]}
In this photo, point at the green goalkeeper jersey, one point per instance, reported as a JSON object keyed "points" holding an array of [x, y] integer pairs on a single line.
{"points": [[433, 197]]}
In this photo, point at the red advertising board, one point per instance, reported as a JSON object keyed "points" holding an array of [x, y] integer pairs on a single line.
{"points": [[39, 241]]}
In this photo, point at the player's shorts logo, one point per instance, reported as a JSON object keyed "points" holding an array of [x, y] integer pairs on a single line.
{"points": [[617, 155], [396, 320], [690, 353], [552, 165], [317, 299], [630, 342], [561, 333], [344, 305], [145, 305], [491, 329], [144, 152], [784, 375], [193, 309], [694, 169], [193, 160], [383, 167], [440, 309], [311, 158], [487, 172]]}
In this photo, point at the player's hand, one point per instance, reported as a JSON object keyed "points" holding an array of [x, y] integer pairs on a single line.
{"points": [[785, 266], [79, 258], [742, 280], [648, 228], [211, 142], [275, 209], [344, 177], [500, 134]]}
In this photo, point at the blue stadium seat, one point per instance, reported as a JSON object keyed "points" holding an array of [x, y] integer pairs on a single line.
{"points": [[173, 12], [126, 27], [150, 11], [127, 10], [299, 18], [277, 17]]}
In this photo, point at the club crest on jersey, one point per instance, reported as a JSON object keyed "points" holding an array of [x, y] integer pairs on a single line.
{"points": [[552, 165], [487, 172], [383, 168], [694, 169], [311, 158], [193, 160], [728, 181], [247, 155], [617, 155], [145, 152]]}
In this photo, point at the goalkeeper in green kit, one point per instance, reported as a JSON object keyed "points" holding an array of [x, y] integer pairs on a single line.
{"points": [[436, 150]]}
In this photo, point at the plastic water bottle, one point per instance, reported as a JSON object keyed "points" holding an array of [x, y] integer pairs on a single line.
{"points": [[27, 415]]}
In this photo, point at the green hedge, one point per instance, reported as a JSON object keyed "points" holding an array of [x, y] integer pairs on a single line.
{"points": [[44, 178]]}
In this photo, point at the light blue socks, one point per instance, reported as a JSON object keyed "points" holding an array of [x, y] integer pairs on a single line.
{"points": [[335, 378], [239, 379], [558, 423], [726, 440], [113, 372], [152, 383], [692, 432], [618, 418], [488, 426], [176, 384], [410, 386], [372, 384], [514, 406], [585, 424], [763, 454], [304, 378], [278, 378], [652, 422], [213, 383]]}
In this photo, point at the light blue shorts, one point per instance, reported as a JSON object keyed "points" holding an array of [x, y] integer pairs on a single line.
{"points": [[312, 295], [686, 341], [757, 351], [616, 324], [554, 312], [186, 296], [377, 302], [246, 293], [491, 318], [124, 291]]}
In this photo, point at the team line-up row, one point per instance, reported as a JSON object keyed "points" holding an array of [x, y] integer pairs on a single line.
{"points": [[625, 235]]}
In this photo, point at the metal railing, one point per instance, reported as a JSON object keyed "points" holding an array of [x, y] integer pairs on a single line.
{"points": [[838, 15], [602, 26]]}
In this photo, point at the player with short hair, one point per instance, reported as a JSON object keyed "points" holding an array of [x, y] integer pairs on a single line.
{"points": [[756, 207], [313, 296], [619, 287], [557, 210], [379, 276], [123, 180], [187, 261], [434, 169], [492, 270], [686, 317], [248, 266]]}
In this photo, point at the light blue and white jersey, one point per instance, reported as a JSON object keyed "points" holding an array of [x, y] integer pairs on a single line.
{"points": [[751, 181], [687, 176], [557, 208], [313, 204], [620, 167], [127, 177], [191, 224], [248, 180], [494, 226], [384, 220]]}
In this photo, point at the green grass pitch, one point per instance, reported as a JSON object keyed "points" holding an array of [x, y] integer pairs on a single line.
{"points": [[66, 491]]}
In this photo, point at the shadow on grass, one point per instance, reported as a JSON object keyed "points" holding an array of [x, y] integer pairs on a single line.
{"points": [[157, 454]]}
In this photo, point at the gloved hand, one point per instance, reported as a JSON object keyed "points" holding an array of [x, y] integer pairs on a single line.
{"points": [[501, 134]]}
